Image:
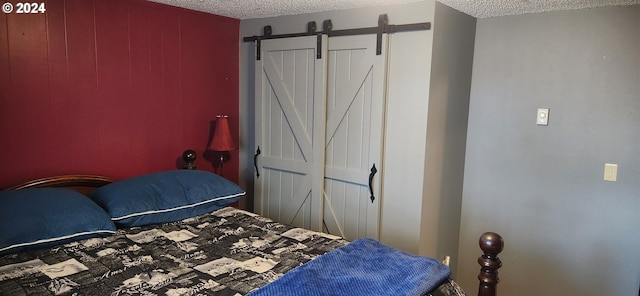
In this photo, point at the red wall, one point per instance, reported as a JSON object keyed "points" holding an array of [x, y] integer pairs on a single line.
{"points": [[113, 87]]}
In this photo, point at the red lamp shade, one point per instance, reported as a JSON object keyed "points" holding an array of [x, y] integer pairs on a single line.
{"points": [[222, 140]]}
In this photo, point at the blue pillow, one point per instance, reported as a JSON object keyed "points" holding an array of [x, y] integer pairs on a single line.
{"points": [[165, 197], [43, 217]]}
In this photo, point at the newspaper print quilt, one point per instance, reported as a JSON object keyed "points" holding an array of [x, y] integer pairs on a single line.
{"points": [[226, 252]]}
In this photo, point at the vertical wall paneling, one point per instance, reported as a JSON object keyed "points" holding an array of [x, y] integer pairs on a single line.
{"points": [[5, 77], [28, 78], [58, 79], [170, 79], [118, 88], [4, 54], [81, 104], [113, 74], [142, 39]]}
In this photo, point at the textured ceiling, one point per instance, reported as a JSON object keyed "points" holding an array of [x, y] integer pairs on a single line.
{"points": [[490, 8], [248, 9]]}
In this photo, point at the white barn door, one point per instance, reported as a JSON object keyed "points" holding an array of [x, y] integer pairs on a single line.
{"points": [[290, 131], [319, 127], [354, 136]]}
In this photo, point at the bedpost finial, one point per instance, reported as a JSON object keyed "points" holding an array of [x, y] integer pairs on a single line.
{"points": [[189, 157], [491, 244]]}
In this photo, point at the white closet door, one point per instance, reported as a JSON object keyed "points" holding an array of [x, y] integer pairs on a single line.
{"points": [[290, 131], [354, 132]]}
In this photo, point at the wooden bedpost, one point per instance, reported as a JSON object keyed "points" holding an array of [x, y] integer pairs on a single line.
{"points": [[491, 244]]}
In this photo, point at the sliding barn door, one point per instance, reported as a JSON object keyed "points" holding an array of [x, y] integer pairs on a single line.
{"points": [[319, 130], [290, 130], [354, 132]]}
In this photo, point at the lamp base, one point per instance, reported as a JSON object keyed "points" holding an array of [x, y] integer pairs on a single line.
{"points": [[220, 163]]}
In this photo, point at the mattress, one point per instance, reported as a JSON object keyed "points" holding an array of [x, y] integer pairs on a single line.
{"points": [[225, 252]]}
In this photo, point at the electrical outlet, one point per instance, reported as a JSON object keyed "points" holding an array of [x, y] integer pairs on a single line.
{"points": [[543, 116]]}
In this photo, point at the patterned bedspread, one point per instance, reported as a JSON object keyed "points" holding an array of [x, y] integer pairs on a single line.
{"points": [[227, 252]]}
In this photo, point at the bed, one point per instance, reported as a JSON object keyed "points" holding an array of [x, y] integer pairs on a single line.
{"points": [[207, 249]]}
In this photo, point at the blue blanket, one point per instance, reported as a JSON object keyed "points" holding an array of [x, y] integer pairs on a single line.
{"points": [[363, 267]]}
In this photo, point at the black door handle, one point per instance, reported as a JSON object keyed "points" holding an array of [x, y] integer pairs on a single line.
{"points": [[373, 173], [255, 162]]}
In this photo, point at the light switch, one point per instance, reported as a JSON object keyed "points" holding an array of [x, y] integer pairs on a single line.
{"points": [[543, 116], [610, 172]]}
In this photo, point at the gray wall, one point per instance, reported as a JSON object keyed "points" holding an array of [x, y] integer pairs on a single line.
{"points": [[452, 60], [567, 231]]}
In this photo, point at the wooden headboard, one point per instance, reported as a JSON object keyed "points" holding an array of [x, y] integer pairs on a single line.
{"points": [[81, 183]]}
